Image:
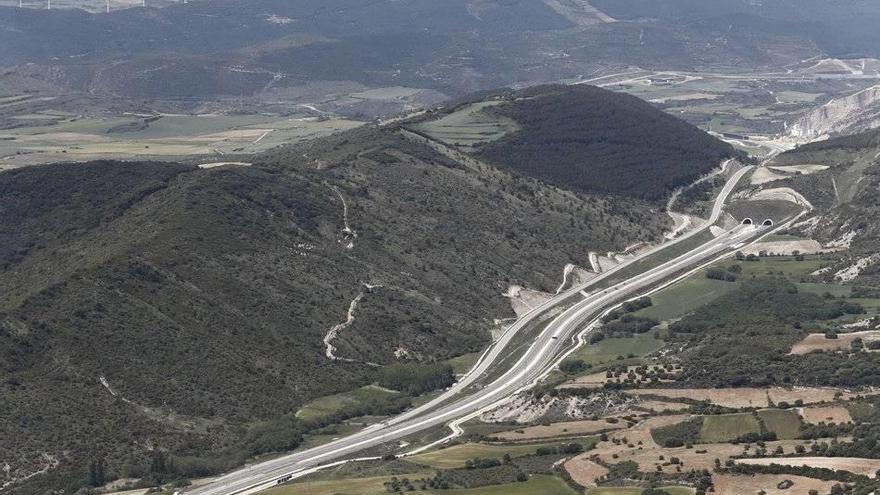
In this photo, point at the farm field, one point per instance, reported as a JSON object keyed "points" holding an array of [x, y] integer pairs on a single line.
{"points": [[697, 290], [607, 350], [727, 427], [456, 456], [584, 471], [748, 397], [819, 342], [768, 484], [689, 294], [833, 414], [469, 126], [569, 428], [353, 486], [545, 485], [210, 136], [865, 467], [785, 423], [672, 490]]}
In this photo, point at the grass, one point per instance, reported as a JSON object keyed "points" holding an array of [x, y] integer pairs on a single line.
{"points": [[673, 490], [695, 291], [726, 427], [786, 265], [469, 126], [538, 484], [463, 364], [354, 486], [682, 298], [325, 406], [174, 136], [607, 350], [784, 422], [821, 289], [456, 456]]}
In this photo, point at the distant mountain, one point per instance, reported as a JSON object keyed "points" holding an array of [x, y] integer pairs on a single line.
{"points": [[839, 28], [150, 307], [225, 48]]}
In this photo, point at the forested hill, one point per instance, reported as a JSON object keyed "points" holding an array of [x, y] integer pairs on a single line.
{"points": [[148, 307], [595, 140]]}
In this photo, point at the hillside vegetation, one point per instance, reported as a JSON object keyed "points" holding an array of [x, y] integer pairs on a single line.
{"points": [[588, 139], [166, 321], [593, 140], [847, 197]]}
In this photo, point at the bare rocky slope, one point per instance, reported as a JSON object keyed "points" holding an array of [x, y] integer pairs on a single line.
{"points": [[840, 177]]}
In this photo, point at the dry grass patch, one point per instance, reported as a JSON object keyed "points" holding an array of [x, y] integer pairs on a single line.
{"points": [[836, 414], [597, 380], [568, 428], [865, 467], [818, 341], [641, 432], [748, 397], [584, 471], [701, 456], [739, 485]]}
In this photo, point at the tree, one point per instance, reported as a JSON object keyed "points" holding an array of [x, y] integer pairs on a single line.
{"points": [[96, 473]]}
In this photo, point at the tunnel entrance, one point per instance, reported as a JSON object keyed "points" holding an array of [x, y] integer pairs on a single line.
{"points": [[767, 223], [748, 221]]}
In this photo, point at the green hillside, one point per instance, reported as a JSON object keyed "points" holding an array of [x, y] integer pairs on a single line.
{"points": [[152, 309]]}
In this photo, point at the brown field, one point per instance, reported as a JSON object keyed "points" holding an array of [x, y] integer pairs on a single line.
{"points": [[584, 471], [866, 467], [641, 432], [647, 456], [816, 415], [568, 428], [818, 342], [739, 485], [747, 397], [596, 380]]}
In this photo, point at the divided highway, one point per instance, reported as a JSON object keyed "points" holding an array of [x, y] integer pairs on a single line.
{"points": [[467, 396]]}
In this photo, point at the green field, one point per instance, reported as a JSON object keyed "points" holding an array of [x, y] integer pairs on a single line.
{"points": [[784, 422], [60, 137], [331, 404], [456, 456], [469, 126], [463, 364], [785, 265], [536, 485], [607, 350], [682, 298], [727, 427], [673, 490], [354, 486], [697, 290]]}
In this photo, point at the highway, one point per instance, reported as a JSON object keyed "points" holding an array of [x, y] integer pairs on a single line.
{"points": [[468, 396]]}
